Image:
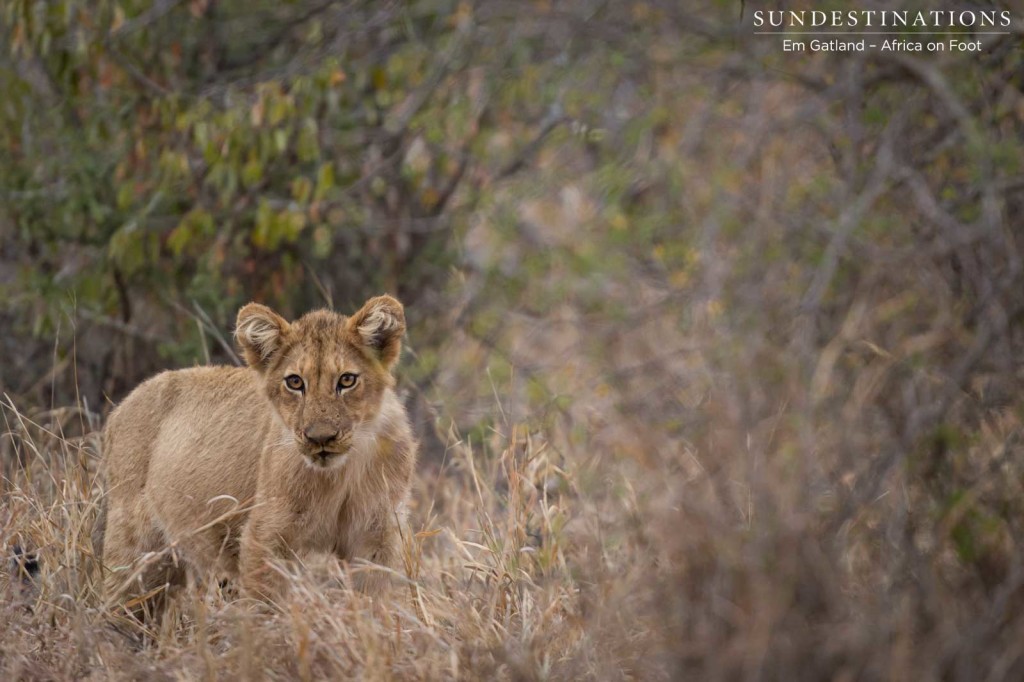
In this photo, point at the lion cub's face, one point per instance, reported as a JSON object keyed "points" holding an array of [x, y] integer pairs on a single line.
{"points": [[325, 374]]}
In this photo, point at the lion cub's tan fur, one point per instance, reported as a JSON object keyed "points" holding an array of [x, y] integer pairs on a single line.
{"points": [[232, 467]]}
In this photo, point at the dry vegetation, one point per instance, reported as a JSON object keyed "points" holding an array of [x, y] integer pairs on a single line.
{"points": [[486, 590], [714, 352]]}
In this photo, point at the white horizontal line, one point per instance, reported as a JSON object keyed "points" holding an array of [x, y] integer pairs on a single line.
{"points": [[883, 33]]}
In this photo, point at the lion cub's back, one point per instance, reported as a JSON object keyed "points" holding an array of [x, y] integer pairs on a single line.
{"points": [[185, 436]]}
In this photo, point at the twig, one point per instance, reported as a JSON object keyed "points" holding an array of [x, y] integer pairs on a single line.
{"points": [[553, 119], [200, 315], [848, 220], [398, 119], [152, 15], [127, 329]]}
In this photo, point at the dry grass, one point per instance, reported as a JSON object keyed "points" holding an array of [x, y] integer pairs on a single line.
{"points": [[757, 546], [487, 586]]}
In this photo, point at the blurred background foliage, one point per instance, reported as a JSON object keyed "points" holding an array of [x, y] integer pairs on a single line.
{"points": [[764, 307]]}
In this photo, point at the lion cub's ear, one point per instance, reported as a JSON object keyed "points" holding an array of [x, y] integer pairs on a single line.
{"points": [[258, 331], [379, 324]]}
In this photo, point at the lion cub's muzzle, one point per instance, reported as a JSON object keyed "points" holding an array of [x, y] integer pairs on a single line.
{"points": [[325, 445]]}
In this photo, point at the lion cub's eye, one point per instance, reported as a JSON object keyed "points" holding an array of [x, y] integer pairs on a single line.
{"points": [[294, 382], [347, 380]]}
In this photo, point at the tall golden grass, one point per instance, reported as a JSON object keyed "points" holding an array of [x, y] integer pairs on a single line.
{"points": [[735, 556], [486, 588]]}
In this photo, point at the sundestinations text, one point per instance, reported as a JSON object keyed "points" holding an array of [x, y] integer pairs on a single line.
{"points": [[882, 18]]}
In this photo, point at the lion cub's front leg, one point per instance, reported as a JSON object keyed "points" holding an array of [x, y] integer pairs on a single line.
{"points": [[380, 545], [262, 543]]}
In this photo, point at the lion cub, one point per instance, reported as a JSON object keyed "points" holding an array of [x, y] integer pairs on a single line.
{"points": [[306, 449]]}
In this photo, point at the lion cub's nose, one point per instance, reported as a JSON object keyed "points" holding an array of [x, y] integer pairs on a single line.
{"points": [[320, 433]]}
